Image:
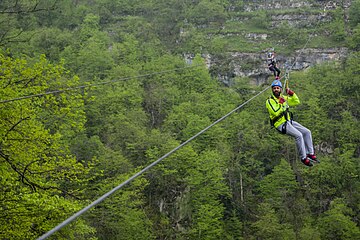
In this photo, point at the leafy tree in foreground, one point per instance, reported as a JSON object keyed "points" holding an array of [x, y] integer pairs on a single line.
{"points": [[41, 182]]}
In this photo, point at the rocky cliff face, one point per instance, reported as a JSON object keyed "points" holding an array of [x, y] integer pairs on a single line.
{"points": [[300, 60], [253, 65]]}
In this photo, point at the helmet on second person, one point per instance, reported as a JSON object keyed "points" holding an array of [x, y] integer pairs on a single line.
{"points": [[276, 83]]}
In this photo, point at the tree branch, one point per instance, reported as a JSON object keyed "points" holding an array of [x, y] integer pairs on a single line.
{"points": [[16, 124], [13, 166], [22, 9], [29, 183]]}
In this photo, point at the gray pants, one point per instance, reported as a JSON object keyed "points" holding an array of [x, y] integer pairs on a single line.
{"points": [[302, 137]]}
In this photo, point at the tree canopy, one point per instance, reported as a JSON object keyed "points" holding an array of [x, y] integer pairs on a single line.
{"points": [[91, 92]]}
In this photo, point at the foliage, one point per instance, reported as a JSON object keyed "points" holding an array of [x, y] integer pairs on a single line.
{"points": [[336, 222], [121, 216], [279, 186], [18, 17], [206, 185], [354, 39], [239, 179], [269, 227], [207, 12], [41, 181], [260, 20], [354, 13]]}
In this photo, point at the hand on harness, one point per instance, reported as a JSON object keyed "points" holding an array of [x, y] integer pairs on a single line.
{"points": [[281, 100], [289, 91]]}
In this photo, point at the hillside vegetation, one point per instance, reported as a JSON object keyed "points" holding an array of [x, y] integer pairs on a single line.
{"points": [[91, 92]]}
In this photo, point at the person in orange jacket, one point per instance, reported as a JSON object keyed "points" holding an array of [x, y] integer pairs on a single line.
{"points": [[281, 118]]}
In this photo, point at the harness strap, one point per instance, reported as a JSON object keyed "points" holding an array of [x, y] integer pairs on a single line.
{"points": [[283, 128], [273, 121]]}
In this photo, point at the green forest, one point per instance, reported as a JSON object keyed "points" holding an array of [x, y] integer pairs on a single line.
{"points": [[94, 91]]}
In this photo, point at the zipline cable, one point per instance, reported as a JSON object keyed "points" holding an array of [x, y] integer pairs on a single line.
{"points": [[96, 84], [287, 71], [286, 83], [103, 197]]}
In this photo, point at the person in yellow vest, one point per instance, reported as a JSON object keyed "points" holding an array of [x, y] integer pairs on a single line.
{"points": [[281, 118]]}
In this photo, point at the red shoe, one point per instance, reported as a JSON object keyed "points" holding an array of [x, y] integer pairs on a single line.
{"points": [[307, 162], [277, 77], [312, 157]]}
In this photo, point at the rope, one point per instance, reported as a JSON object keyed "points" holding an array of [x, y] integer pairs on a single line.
{"points": [[288, 69], [103, 197], [95, 84]]}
